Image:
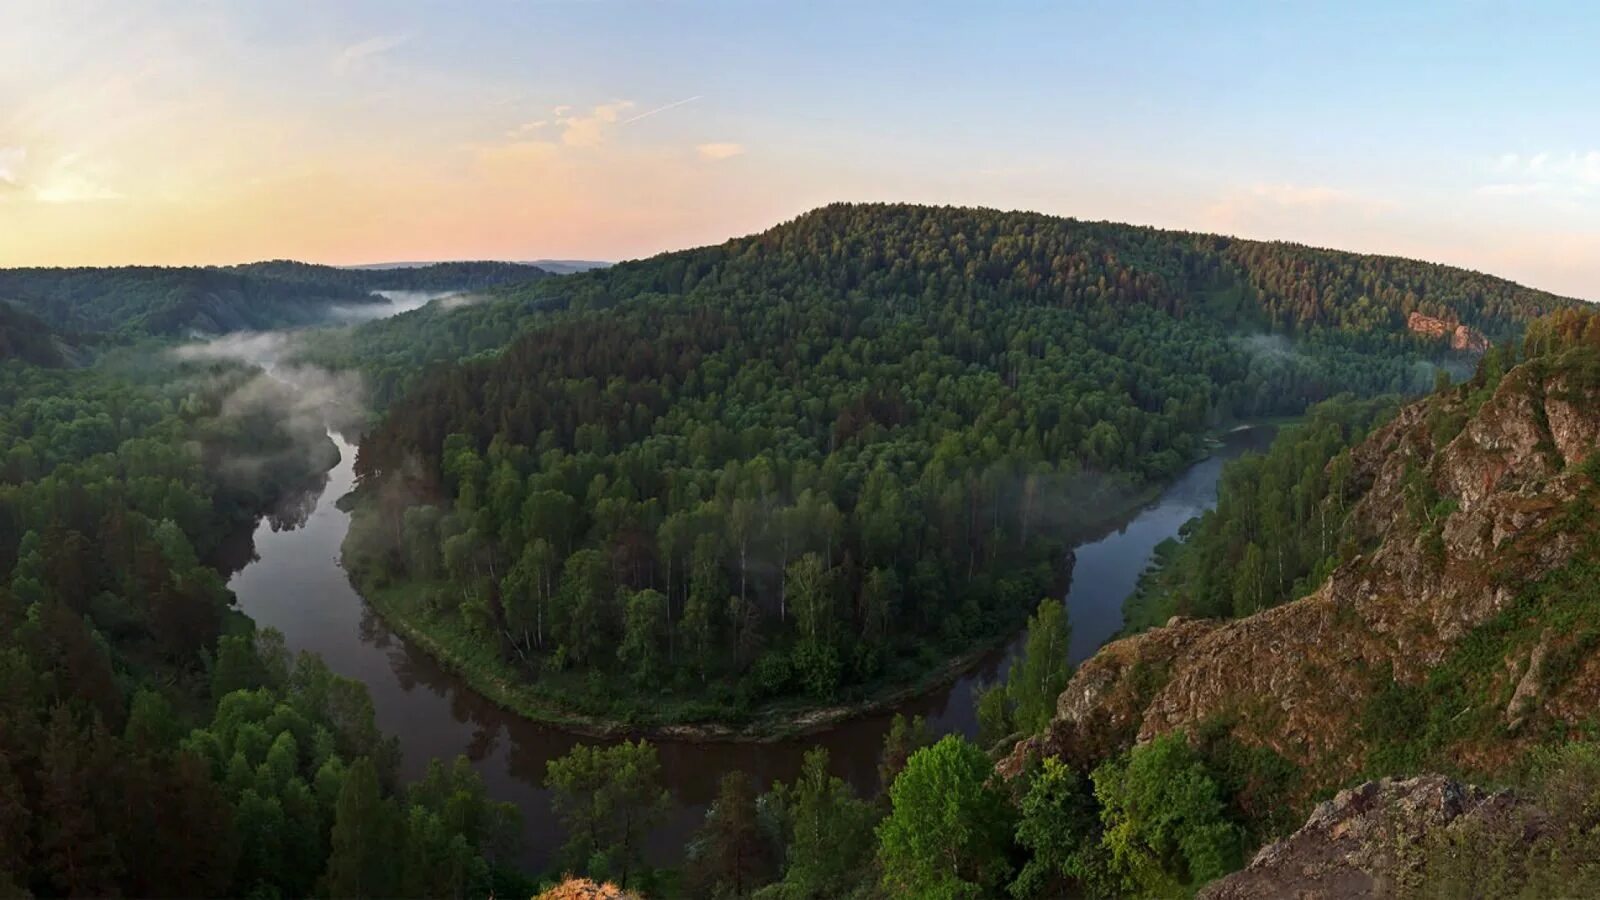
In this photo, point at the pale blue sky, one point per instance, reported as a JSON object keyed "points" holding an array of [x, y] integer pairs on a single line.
{"points": [[1464, 132]]}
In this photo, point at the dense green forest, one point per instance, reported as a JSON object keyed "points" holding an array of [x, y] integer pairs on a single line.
{"points": [[143, 301], [832, 455], [138, 713], [1328, 301], [24, 337], [444, 276]]}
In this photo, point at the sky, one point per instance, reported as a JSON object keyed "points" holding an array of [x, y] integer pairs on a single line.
{"points": [[153, 132]]}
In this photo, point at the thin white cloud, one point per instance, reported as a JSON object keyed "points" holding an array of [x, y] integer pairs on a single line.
{"points": [[719, 150], [353, 56], [590, 130], [526, 128], [660, 109], [11, 161], [70, 181], [1516, 189], [1569, 175]]}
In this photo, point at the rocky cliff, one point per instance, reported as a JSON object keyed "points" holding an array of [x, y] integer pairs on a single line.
{"points": [[1472, 509]]}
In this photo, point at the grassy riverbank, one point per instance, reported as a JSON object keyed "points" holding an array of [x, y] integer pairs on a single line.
{"points": [[560, 699]]}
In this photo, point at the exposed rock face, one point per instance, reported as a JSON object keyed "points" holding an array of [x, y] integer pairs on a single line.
{"points": [[1450, 532], [1460, 336], [1525, 698], [1356, 845]]}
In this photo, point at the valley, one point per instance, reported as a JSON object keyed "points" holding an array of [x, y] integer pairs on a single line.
{"points": [[287, 576], [815, 510], [626, 450]]}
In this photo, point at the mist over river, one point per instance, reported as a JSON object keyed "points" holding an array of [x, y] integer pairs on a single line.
{"points": [[287, 575]]}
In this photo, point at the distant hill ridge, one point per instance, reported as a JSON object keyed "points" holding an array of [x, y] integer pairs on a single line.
{"points": [[134, 301], [553, 266], [1297, 285], [902, 250]]}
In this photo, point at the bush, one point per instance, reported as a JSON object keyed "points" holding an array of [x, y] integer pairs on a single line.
{"points": [[1165, 819]]}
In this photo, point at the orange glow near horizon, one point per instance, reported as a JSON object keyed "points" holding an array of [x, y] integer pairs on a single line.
{"points": [[171, 133]]}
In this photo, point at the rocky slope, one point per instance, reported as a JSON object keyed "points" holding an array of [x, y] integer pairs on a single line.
{"points": [[1365, 841], [1464, 505]]}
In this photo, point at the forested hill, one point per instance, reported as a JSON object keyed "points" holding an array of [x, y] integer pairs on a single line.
{"points": [[866, 264], [915, 406], [915, 252], [149, 300], [444, 276], [138, 301], [23, 337], [890, 249]]}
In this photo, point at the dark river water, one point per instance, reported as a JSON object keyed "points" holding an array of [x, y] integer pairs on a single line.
{"points": [[287, 576]]}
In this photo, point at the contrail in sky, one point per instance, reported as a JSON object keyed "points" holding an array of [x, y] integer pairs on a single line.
{"points": [[648, 113]]}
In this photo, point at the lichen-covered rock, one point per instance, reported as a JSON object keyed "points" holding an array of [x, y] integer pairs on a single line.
{"points": [[1365, 841], [584, 889]]}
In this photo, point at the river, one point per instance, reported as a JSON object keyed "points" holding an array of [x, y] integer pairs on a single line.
{"points": [[287, 576]]}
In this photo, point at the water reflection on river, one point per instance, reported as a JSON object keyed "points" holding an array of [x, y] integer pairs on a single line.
{"points": [[287, 576]]}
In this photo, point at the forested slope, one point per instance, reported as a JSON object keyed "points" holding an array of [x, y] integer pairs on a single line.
{"points": [[138, 301], [141, 301], [838, 451], [151, 742], [24, 337]]}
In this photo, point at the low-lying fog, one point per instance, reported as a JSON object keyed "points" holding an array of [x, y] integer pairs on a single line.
{"points": [[401, 302], [334, 400]]}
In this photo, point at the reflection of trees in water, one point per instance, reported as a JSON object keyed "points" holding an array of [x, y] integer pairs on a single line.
{"points": [[373, 631], [236, 550], [296, 507], [413, 669], [484, 743]]}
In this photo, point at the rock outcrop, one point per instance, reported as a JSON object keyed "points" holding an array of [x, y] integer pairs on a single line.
{"points": [[1364, 842], [1460, 336], [1463, 501]]}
